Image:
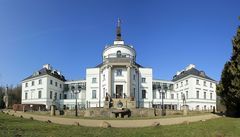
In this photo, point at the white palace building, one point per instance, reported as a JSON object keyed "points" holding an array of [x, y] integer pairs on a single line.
{"points": [[120, 78]]}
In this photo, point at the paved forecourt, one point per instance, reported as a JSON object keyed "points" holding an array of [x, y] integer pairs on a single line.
{"points": [[116, 123]]}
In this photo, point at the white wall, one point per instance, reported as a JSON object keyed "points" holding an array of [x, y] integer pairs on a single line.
{"points": [[32, 91], [192, 88], [124, 50], [145, 73], [92, 73], [45, 88]]}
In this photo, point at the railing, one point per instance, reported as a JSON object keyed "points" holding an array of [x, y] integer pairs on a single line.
{"points": [[120, 57]]}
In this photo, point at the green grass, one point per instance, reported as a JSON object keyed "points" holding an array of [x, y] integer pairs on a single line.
{"points": [[11, 126]]}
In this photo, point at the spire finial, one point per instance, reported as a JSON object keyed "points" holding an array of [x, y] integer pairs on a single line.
{"points": [[118, 22], [119, 35]]}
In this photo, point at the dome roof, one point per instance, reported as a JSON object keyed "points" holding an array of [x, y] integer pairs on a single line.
{"points": [[119, 51]]}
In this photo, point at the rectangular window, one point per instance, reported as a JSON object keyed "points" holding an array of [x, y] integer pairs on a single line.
{"points": [[154, 94], [56, 84], [39, 94], [60, 85], [94, 80], [211, 96], [50, 94], [205, 83], [32, 83], [186, 94], [186, 82], [94, 94], [51, 82], [204, 95], [144, 94], [39, 81], [55, 96], [134, 77], [26, 84], [65, 96], [26, 95], [119, 72], [172, 96], [103, 77], [132, 93], [177, 86], [197, 82], [60, 96], [211, 85], [143, 80], [181, 84], [197, 96], [163, 95]]}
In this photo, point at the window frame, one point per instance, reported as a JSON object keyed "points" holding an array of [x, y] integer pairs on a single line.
{"points": [[26, 95], [94, 80], [144, 80], [172, 96], [197, 82], [55, 96], [197, 94], [119, 72], [51, 92], [144, 94], [39, 94], [94, 94], [33, 83], [40, 82]]}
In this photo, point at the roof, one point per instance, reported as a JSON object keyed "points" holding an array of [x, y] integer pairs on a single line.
{"points": [[191, 71], [45, 71]]}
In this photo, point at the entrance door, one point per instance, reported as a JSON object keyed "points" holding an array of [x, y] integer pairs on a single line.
{"points": [[119, 91]]}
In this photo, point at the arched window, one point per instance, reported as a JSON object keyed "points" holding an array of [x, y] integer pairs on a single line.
{"points": [[119, 54]]}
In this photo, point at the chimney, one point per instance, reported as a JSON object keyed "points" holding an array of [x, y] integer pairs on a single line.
{"points": [[190, 66], [47, 66]]}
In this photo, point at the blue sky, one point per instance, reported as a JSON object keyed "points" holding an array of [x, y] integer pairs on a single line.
{"points": [[71, 35]]}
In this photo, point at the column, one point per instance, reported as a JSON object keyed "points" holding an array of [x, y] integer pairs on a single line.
{"points": [[110, 81], [128, 81]]}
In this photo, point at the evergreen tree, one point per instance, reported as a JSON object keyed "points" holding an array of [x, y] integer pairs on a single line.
{"points": [[229, 85]]}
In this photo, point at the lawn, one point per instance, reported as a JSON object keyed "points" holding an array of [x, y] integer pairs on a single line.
{"points": [[11, 126]]}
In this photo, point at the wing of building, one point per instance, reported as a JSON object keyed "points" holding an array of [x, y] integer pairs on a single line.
{"points": [[119, 79]]}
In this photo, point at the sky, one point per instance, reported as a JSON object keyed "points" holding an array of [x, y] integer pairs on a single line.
{"points": [[70, 35]]}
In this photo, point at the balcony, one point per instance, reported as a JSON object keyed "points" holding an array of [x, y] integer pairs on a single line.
{"points": [[120, 58]]}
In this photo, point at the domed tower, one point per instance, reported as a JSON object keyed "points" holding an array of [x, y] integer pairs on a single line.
{"points": [[118, 77], [119, 50]]}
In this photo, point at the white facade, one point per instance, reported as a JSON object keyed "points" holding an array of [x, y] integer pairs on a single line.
{"points": [[120, 77], [200, 93], [42, 89]]}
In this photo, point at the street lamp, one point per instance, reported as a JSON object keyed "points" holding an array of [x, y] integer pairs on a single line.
{"points": [[76, 91], [163, 106]]}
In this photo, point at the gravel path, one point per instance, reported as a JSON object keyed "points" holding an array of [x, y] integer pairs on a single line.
{"points": [[116, 123]]}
